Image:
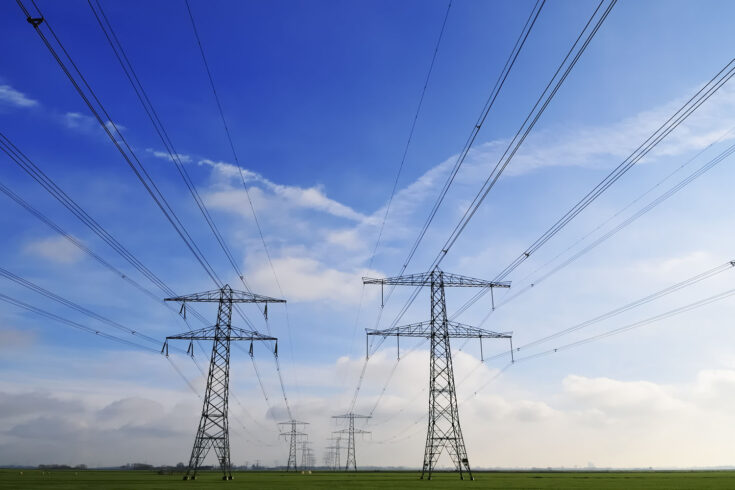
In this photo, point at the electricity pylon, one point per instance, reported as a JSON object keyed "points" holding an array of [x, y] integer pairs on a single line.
{"points": [[214, 431], [293, 435], [306, 455], [351, 431], [444, 431], [335, 452]]}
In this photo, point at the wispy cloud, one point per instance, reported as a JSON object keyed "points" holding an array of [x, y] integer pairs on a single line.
{"points": [[309, 280], [164, 155], [55, 249], [233, 196], [592, 146], [13, 97], [86, 124]]}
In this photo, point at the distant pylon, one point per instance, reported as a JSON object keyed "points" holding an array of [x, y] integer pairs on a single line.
{"points": [[293, 435], [335, 453], [214, 431], [444, 431], [351, 431], [306, 456]]}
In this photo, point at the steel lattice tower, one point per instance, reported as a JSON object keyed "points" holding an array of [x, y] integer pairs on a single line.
{"points": [[213, 431], [444, 431], [351, 431], [293, 435], [335, 451], [306, 455]]}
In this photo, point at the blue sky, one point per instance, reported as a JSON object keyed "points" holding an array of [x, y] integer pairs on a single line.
{"points": [[319, 98]]}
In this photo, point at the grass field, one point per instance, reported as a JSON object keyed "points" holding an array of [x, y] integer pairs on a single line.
{"points": [[12, 479]]}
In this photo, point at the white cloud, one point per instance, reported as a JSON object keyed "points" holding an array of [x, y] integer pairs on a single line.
{"points": [[164, 155], [11, 96], [87, 124], [620, 399], [592, 146], [307, 279], [233, 196], [56, 249]]}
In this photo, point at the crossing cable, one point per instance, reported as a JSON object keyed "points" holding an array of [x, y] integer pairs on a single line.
{"points": [[510, 62], [610, 314], [73, 324], [568, 63], [361, 377], [663, 197], [27, 165], [390, 377], [629, 306], [668, 314], [174, 156], [502, 77], [247, 192], [371, 349], [55, 297], [22, 160], [118, 139], [40, 216], [722, 77], [51, 224], [262, 385], [691, 105], [677, 311], [725, 135], [400, 167]]}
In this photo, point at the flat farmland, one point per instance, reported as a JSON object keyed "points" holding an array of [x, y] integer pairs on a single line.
{"points": [[91, 479]]}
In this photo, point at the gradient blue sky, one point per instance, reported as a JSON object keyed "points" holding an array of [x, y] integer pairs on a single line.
{"points": [[319, 97]]}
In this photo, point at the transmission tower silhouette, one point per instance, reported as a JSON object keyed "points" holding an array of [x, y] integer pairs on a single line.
{"points": [[335, 452], [444, 431], [294, 436], [350, 430], [306, 455], [214, 429]]}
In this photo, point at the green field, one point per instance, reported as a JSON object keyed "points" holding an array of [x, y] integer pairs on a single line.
{"points": [[567, 480]]}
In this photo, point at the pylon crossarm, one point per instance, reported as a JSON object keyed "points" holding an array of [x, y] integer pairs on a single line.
{"points": [[426, 278], [210, 333], [423, 329], [351, 416], [227, 294]]}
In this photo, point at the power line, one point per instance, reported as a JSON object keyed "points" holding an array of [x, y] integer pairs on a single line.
{"points": [[174, 156], [91, 314], [543, 101], [691, 105], [118, 139], [247, 194], [641, 151], [401, 165], [726, 135], [73, 324], [478, 125], [51, 224], [627, 307], [676, 311], [651, 205], [512, 57], [27, 165]]}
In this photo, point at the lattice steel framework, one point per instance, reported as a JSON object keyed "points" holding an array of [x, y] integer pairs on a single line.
{"points": [[293, 435], [335, 451], [444, 431], [350, 430], [213, 431]]}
